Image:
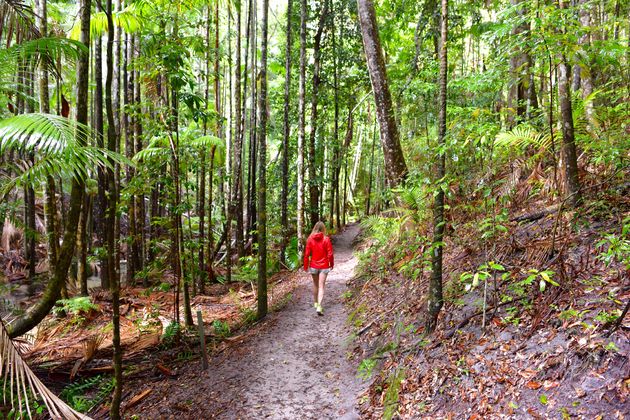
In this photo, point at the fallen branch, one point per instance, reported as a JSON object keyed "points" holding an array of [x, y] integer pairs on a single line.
{"points": [[536, 215]]}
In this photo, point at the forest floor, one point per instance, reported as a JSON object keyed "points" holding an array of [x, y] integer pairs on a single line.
{"points": [[294, 364], [542, 354]]}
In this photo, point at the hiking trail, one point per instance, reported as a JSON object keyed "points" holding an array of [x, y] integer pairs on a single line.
{"points": [[295, 364]]}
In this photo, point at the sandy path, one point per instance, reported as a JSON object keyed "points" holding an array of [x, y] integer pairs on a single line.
{"points": [[294, 367]]}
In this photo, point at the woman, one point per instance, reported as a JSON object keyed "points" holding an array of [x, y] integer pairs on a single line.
{"points": [[320, 252]]}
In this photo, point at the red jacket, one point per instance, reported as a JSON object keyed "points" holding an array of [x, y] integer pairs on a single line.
{"points": [[319, 249]]}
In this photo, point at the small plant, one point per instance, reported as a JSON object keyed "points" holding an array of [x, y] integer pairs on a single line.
{"points": [[604, 317], [81, 395], [483, 273], [221, 328], [77, 308], [171, 333], [390, 401], [365, 368], [618, 247]]}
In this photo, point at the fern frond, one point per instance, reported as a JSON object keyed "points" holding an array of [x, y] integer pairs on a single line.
{"points": [[523, 137]]}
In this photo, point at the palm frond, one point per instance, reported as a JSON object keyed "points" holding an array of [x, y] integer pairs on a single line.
{"points": [[152, 154], [57, 145], [50, 48], [523, 137], [127, 19], [24, 384], [43, 133]]}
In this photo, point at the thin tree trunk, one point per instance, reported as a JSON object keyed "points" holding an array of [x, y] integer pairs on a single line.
{"points": [[284, 219], [301, 128], [569, 151], [369, 191], [129, 122], [335, 153], [262, 187], [238, 140], [435, 299], [313, 161], [50, 211], [111, 220], [82, 246], [396, 168]]}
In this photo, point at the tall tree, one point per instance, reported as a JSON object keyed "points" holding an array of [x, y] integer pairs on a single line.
{"points": [[284, 219], [262, 161], [569, 152], [314, 180], [238, 138], [395, 166], [301, 127], [435, 299], [114, 279]]}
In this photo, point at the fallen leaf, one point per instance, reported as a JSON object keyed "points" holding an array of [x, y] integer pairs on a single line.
{"points": [[533, 385]]}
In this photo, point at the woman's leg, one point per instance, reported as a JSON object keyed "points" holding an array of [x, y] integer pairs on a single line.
{"points": [[315, 286], [322, 283]]}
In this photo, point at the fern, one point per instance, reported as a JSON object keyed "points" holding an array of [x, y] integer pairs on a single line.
{"points": [[523, 137]]}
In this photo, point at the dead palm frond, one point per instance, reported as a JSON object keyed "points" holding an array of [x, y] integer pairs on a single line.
{"points": [[21, 385]]}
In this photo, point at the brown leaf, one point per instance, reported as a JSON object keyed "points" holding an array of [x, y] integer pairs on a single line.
{"points": [[533, 385], [166, 371]]}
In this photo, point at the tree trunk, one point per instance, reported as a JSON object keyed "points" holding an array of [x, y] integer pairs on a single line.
{"points": [[112, 253], [238, 140], [435, 299], [395, 167], [335, 153], [262, 160], [284, 219], [313, 181], [301, 128], [569, 152]]}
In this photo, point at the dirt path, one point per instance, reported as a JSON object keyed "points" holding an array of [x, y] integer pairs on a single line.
{"points": [[295, 366]]}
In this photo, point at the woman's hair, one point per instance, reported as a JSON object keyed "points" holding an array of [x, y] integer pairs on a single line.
{"points": [[319, 227]]}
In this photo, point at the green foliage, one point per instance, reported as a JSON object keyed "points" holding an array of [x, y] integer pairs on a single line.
{"points": [[366, 368], [483, 273], [58, 145], [78, 307], [616, 247], [292, 255], [221, 328], [84, 394], [171, 334], [390, 401]]}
